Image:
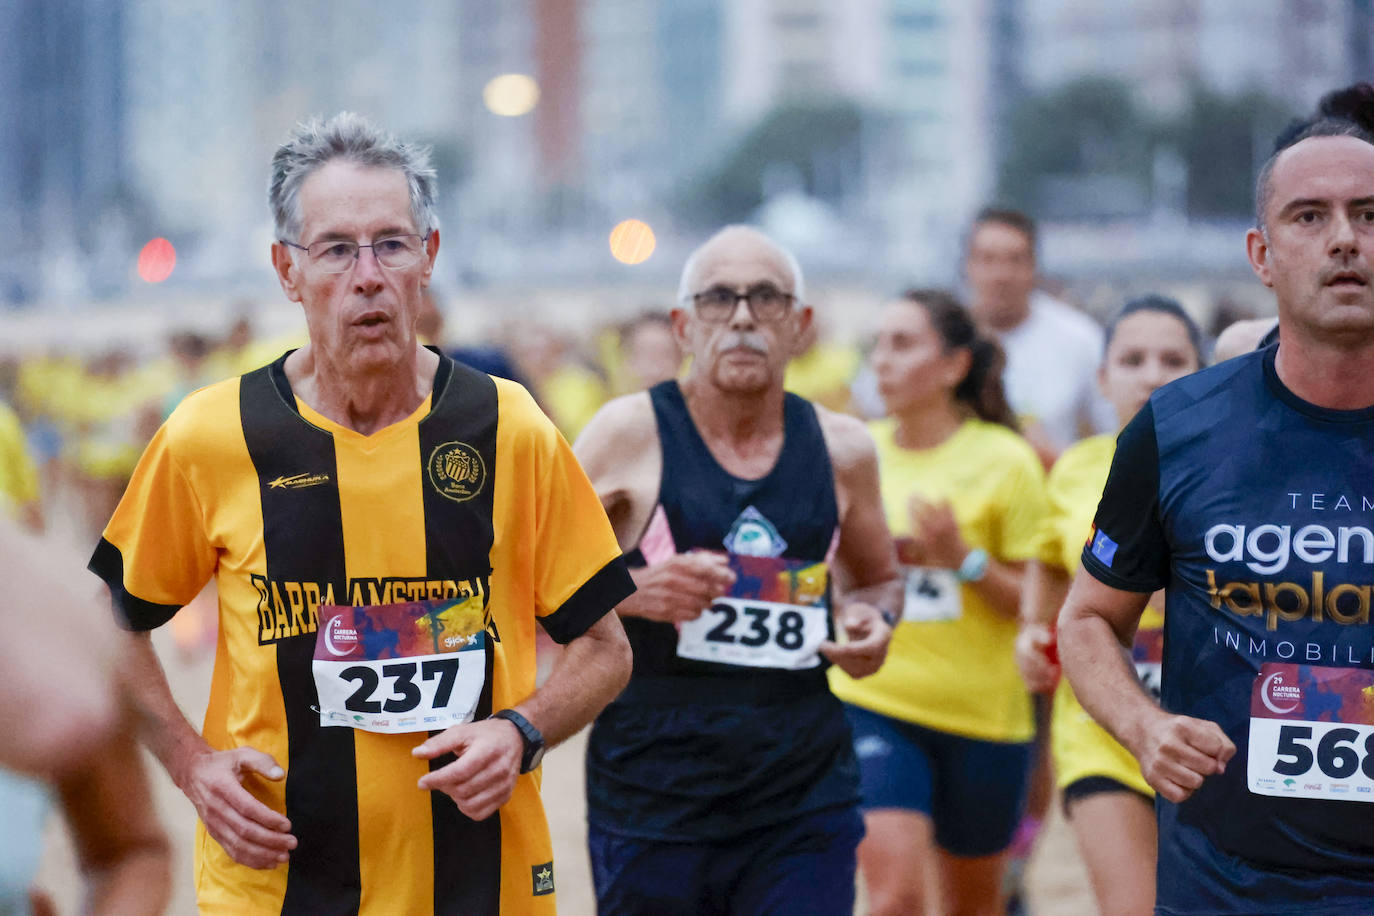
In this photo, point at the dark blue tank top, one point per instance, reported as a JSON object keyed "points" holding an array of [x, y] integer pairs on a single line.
{"points": [[705, 750]]}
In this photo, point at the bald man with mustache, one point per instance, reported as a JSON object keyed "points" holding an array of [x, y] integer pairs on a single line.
{"points": [[723, 779]]}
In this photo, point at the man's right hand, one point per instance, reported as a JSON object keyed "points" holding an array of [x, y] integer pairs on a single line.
{"points": [[679, 588], [1177, 753], [252, 833]]}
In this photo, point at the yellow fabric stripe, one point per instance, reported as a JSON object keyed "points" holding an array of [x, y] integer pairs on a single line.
{"points": [[239, 714], [383, 529]]}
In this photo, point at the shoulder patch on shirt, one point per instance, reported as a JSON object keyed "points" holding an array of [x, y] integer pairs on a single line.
{"points": [[1103, 547]]}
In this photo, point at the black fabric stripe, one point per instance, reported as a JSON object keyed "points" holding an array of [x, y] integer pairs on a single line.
{"points": [[131, 611], [458, 541], [597, 596], [303, 537]]}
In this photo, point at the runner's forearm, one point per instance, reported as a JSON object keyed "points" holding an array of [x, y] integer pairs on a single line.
{"points": [[590, 671], [1102, 677], [163, 726]]}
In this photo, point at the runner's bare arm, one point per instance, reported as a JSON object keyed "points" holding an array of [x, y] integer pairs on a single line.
{"points": [[866, 561], [620, 451], [56, 661], [250, 832], [122, 849], [588, 674], [1176, 753]]}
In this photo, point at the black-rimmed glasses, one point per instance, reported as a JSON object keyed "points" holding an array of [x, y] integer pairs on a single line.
{"points": [[767, 303]]}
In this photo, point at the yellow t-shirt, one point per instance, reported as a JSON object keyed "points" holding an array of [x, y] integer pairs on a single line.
{"points": [[18, 474], [822, 374], [1080, 746], [959, 675]]}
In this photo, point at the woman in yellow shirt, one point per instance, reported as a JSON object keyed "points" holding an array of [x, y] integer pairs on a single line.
{"points": [[1151, 342], [942, 732]]}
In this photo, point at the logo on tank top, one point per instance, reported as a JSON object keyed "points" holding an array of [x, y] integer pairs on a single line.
{"points": [[753, 535], [456, 470]]}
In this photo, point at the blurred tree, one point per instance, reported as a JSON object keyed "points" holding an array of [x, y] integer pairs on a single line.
{"points": [[1224, 141], [795, 147], [1086, 149], [1087, 132]]}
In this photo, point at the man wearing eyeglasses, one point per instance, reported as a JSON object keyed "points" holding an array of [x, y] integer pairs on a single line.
{"points": [[385, 527], [723, 780]]}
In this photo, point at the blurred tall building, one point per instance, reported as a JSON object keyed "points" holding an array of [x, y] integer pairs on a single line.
{"points": [[1292, 50], [63, 177]]}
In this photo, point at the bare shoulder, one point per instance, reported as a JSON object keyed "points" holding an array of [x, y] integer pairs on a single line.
{"points": [[848, 441], [620, 451], [622, 426]]}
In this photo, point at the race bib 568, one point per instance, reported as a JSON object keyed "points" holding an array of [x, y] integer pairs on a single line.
{"points": [[1312, 733]]}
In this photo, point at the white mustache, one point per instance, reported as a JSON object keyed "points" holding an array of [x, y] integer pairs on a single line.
{"points": [[746, 340]]}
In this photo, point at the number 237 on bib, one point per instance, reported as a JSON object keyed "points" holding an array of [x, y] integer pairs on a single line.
{"points": [[417, 666]]}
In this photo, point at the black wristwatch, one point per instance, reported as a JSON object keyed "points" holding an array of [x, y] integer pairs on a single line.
{"points": [[534, 742]]}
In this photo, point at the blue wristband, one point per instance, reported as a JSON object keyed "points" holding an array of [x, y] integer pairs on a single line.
{"points": [[974, 567]]}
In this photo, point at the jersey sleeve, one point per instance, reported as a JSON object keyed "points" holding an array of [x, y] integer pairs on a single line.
{"points": [[154, 554], [1025, 509], [1128, 549], [580, 573]]}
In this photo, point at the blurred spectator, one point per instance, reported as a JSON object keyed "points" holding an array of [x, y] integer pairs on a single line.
{"points": [[568, 389], [1242, 337], [19, 486], [489, 358], [1052, 349], [648, 353], [822, 370]]}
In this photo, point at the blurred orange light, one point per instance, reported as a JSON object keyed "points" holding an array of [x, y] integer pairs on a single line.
{"points": [[632, 242], [156, 260], [511, 95]]}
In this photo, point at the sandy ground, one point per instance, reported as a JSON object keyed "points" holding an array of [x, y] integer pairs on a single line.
{"points": [[1056, 881]]}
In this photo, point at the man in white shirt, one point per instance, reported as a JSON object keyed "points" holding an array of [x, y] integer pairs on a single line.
{"points": [[1053, 350]]}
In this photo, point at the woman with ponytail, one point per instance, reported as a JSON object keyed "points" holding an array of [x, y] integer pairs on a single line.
{"points": [[943, 731]]}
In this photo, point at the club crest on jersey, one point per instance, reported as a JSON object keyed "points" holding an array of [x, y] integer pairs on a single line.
{"points": [[456, 470], [753, 535]]}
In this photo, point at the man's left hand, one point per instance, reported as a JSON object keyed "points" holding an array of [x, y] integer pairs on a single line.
{"points": [[483, 777], [868, 635]]}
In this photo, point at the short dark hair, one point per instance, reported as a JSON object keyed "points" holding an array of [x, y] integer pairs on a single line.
{"points": [[1347, 112], [1153, 302], [1005, 216]]}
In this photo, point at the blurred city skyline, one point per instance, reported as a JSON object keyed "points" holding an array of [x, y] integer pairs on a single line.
{"points": [[864, 134]]}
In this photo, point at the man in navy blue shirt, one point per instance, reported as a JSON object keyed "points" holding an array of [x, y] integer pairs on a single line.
{"points": [[1247, 491]]}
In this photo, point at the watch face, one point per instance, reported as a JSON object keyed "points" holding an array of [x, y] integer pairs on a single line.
{"points": [[535, 759]]}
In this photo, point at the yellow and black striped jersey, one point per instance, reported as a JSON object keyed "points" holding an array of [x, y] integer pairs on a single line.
{"points": [[475, 494]]}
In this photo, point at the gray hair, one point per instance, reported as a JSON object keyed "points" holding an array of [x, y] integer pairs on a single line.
{"points": [[1322, 127], [352, 138], [688, 277]]}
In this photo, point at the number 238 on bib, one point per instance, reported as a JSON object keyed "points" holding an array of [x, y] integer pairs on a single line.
{"points": [[418, 666], [775, 616]]}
